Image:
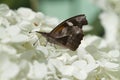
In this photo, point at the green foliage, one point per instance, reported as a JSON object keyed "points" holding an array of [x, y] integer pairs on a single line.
{"points": [[14, 4]]}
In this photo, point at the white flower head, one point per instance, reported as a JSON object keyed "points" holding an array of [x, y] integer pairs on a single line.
{"points": [[110, 22], [25, 54], [4, 9]]}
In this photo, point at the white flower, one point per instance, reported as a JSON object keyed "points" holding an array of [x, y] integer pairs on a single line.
{"points": [[108, 5], [12, 34], [4, 9], [37, 70], [26, 14], [83, 67], [4, 22], [110, 22], [8, 70], [106, 58]]}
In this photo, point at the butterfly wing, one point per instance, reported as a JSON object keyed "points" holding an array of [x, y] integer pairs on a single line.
{"points": [[68, 33], [74, 41], [63, 29]]}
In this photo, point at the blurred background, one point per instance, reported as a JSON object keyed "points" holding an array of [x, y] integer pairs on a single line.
{"points": [[63, 9]]}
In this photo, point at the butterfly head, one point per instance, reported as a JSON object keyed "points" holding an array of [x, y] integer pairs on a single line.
{"points": [[43, 33]]}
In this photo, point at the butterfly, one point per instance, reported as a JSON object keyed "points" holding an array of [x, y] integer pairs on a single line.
{"points": [[68, 33]]}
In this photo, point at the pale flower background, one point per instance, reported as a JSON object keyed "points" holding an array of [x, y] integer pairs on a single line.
{"points": [[24, 56], [110, 19]]}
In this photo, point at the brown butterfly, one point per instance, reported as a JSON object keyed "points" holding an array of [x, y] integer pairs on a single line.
{"points": [[68, 33]]}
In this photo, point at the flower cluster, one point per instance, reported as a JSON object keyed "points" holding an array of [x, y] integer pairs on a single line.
{"points": [[110, 19], [26, 55]]}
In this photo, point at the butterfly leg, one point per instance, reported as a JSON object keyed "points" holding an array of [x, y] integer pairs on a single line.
{"points": [[46, 43], [35, 43]]}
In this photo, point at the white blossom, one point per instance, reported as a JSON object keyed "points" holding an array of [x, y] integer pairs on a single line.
{"points": [[110, 19], [37, 70]]}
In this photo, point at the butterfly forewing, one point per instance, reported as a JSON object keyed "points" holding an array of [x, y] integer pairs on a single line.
{"points": [[63, 28]]}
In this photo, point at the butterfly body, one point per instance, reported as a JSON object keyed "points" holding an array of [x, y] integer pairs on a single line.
{"points": [[68, 34]]}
